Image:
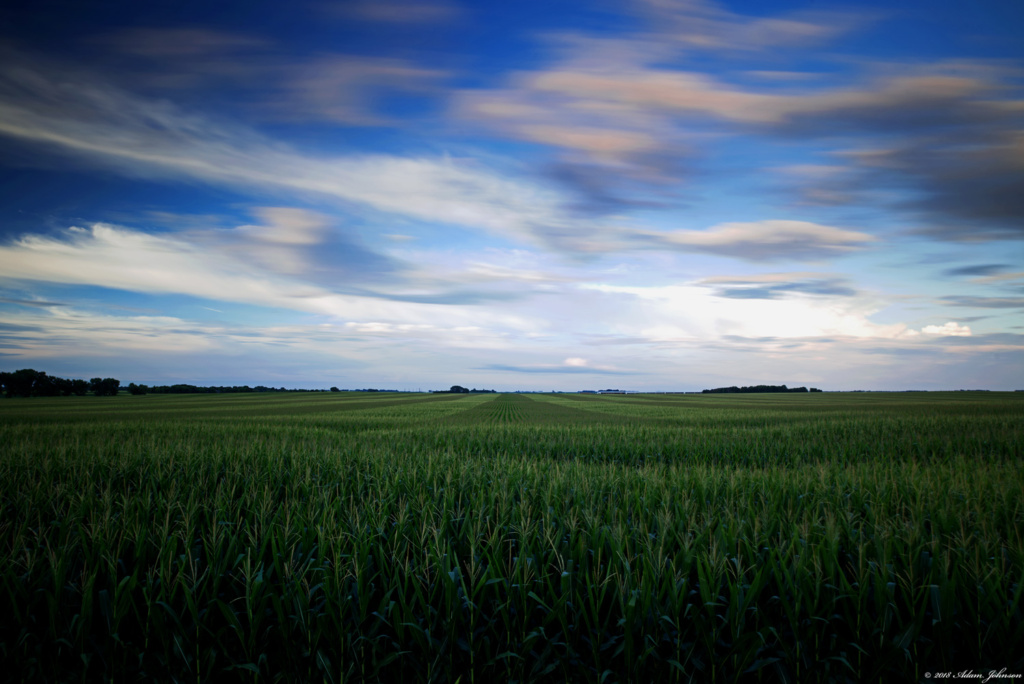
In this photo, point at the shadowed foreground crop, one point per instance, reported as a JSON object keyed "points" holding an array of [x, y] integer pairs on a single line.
{"points": [[357, 537]]}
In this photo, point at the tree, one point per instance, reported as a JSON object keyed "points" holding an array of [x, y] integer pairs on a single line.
{"points": [[32, 383], [104, 387], [136, 390], [335, 389], [22, 383], [46, 386], [458, 389], [65, 387]]}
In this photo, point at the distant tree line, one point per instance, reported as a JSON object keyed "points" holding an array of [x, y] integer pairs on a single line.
{"points": [[183, 388], [459, 389], [32, 383], [758, 389]]}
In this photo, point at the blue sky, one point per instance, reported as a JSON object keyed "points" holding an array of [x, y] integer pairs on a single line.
{"points": [[650, 195]]}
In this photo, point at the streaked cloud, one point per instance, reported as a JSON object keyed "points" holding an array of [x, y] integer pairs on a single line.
{"points": [[178, 42], [1001, 277], [41, 303], [152, 138], [985, 302], [147, 138], [704, 25], [235, 268], [393, 11], [344, 88], [182, 59], [336, 87], [564, 369], [949, 329], [977, 270], [776, 285], [677, 313], [677, 193], [770, 240], [947, 134]]}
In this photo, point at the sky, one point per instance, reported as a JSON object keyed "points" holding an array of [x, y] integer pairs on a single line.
{"points": [[659, 195]]}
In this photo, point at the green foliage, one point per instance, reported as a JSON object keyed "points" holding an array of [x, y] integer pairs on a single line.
{"points": [[104, 387], [757, 389], [32, 383], [383, 537]]}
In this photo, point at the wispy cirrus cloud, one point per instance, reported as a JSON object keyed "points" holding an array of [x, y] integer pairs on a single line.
{"points": [[946, 136], [776, 285], [1001, 277], [39, 303], [155, 139], [344, 88], [608, 102], [73, 340], [976, 270], [182, 43], [261, 79], [701, 25], [770, 240], [883, 102], [603, 205], [694, 312], [273, 264], [150, 138], [264, 265], [66, 331], [554, 369], [949, 329], [985, 302]]}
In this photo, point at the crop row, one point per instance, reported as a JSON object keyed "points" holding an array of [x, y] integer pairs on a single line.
{"points": [[510, 538]]}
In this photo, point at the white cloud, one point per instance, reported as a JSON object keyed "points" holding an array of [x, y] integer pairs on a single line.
{"points": [[287, 226], [66, 332], [767, 240], [74, 115], [116, 257], [142, 137], [1001, 277], [695, 93], [947, 329], [694, 313], [342, 88], [705, 25], [946, 133], [563, 309]]}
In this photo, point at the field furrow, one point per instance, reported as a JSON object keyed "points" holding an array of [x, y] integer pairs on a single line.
{"points": [[541, 538]]}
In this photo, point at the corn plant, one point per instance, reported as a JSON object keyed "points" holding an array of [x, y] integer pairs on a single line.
{"points": [[527, 538]]}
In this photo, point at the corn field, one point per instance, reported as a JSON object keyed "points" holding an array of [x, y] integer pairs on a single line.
{"points": [[356, 537]]}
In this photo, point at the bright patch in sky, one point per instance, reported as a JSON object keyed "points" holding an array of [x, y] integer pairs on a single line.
{"points": [[538, 195]]}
